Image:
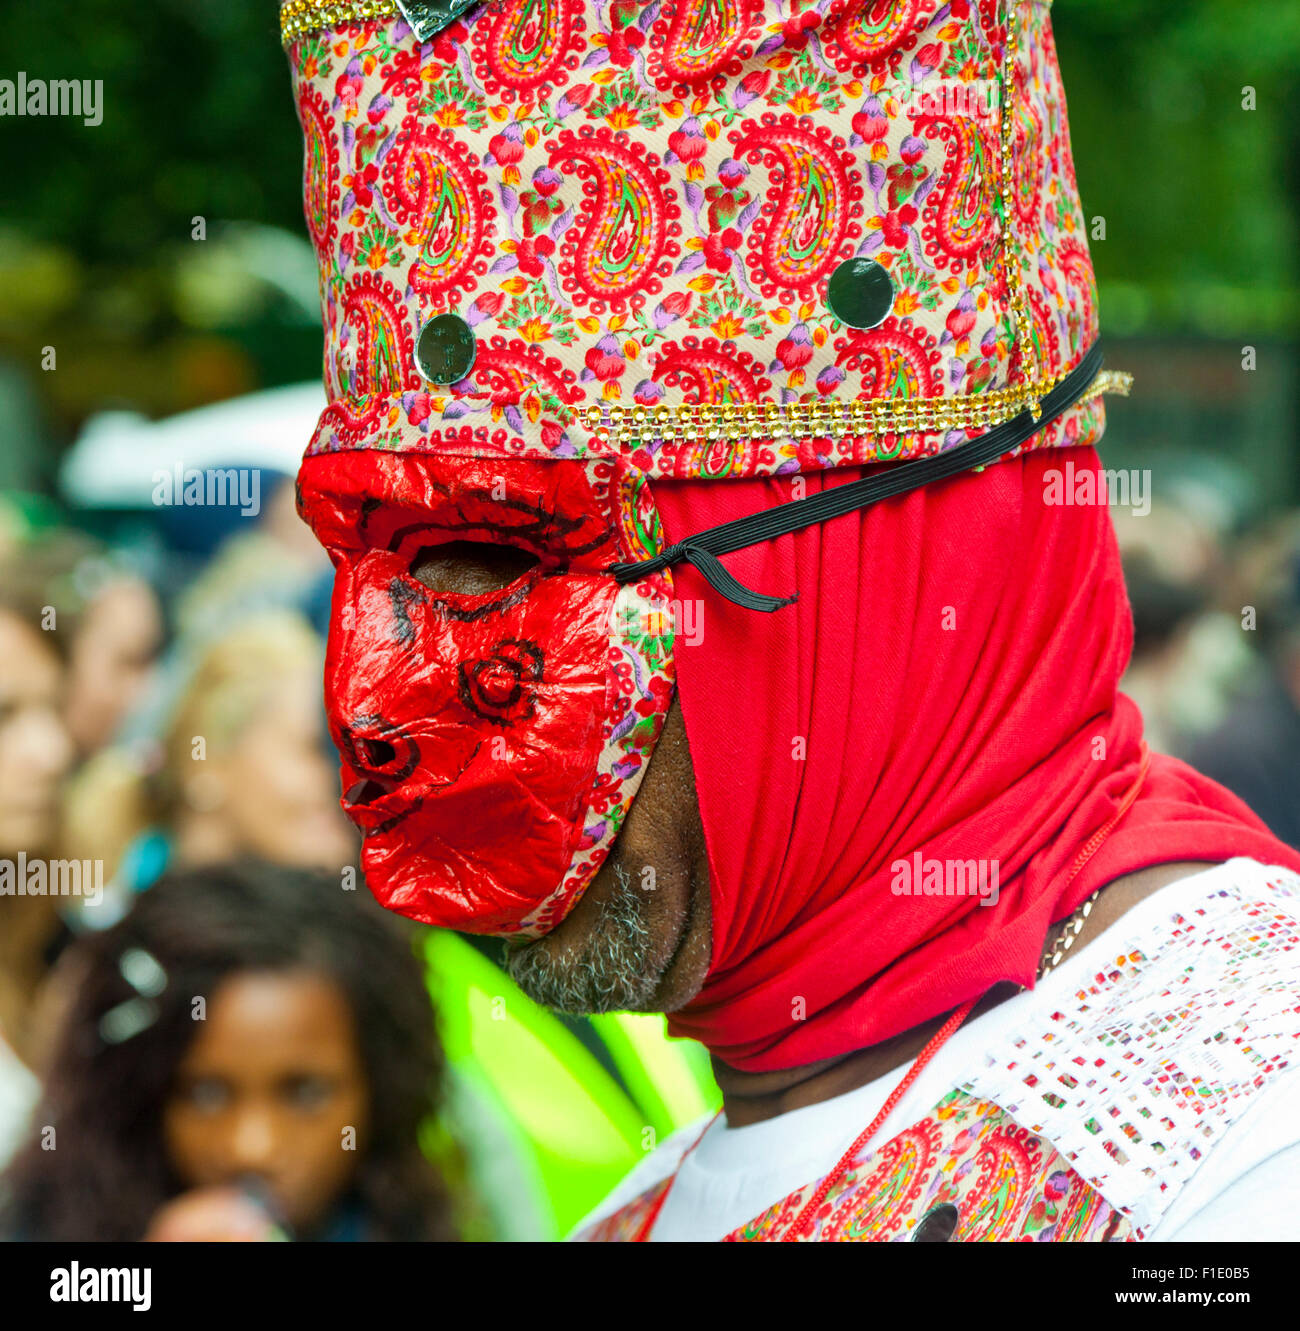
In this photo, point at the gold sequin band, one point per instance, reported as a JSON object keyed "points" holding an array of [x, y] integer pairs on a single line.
{"points": [[298, 17], [627, 426]]}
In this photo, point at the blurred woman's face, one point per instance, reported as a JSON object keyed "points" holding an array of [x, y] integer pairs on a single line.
{"points": [[35, 751], [272, 1089], [112, 657], [279, 787]]}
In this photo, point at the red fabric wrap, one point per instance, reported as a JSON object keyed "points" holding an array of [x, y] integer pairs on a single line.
{"points": [[952, 668]]}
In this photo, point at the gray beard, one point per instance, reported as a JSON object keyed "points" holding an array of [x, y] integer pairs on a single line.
{"points": [[611, 972]]}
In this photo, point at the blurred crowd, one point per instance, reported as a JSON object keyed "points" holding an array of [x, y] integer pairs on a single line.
{"points": [[1215, 592], [208, 1029], [162, 741], [214, 1032]]}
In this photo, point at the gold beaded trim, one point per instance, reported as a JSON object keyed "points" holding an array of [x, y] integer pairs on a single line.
{"points": [[298, 17], [628, 427]]}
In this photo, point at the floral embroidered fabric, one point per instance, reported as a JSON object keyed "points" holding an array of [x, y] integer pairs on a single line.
{"points": [[640, 206], [1163, 1049], [1087, 1127], [1006, 1183]]}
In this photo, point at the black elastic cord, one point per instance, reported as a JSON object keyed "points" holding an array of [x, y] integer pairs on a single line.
{"points": [[703, 548]]}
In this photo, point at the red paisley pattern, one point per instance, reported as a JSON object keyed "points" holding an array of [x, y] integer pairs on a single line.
{"points": [[895, 362], [807, 219], [624, 248], [433, 186], [873, 29], [505, 369], [1007, 1184], [528, 46], [710, 372], [1029, 162], [655, 194], [960, 216], [375, 313], [320, 170], [693, 41]]}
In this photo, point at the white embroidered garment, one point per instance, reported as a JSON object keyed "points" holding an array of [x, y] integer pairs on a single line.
{"points": [[1164, 1044], [1157, 1060]]}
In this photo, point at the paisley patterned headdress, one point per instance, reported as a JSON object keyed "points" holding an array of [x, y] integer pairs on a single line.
{"points": [[640, 211], [622, 241]]}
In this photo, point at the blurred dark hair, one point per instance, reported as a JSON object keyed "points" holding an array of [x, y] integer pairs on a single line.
{"points": [[105, 1098]]}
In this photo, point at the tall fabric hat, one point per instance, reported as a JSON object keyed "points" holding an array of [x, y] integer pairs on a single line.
{"points": [[571, 249]]}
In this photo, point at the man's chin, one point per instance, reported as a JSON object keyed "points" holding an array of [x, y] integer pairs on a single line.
{"points": [[597, 961]]}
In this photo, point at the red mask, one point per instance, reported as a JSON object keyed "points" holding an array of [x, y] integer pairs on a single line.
{"points": [[491, 743]]}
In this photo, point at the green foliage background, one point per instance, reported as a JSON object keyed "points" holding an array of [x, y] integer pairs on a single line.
{"points": [[1201, 197]]}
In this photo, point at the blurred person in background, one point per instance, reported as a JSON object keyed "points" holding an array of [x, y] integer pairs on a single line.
{"points": [[112, 658], [241, 767], [35, 755], [1189, 653], [1255, 749], [1165, 611], [268, 566], [291, 1105], [111, 620], [260, 783]]}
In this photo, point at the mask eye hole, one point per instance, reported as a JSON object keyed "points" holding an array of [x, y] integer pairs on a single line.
{"points": [[470, 568]]}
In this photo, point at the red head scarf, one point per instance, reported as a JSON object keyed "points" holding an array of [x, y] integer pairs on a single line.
{"points": [[947, 683]]}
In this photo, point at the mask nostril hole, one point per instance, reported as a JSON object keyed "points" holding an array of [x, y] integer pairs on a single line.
{"points": [[364, 792], [378, 753]]}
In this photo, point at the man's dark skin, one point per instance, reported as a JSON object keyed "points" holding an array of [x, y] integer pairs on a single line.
{"points": [[663, 832]]}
